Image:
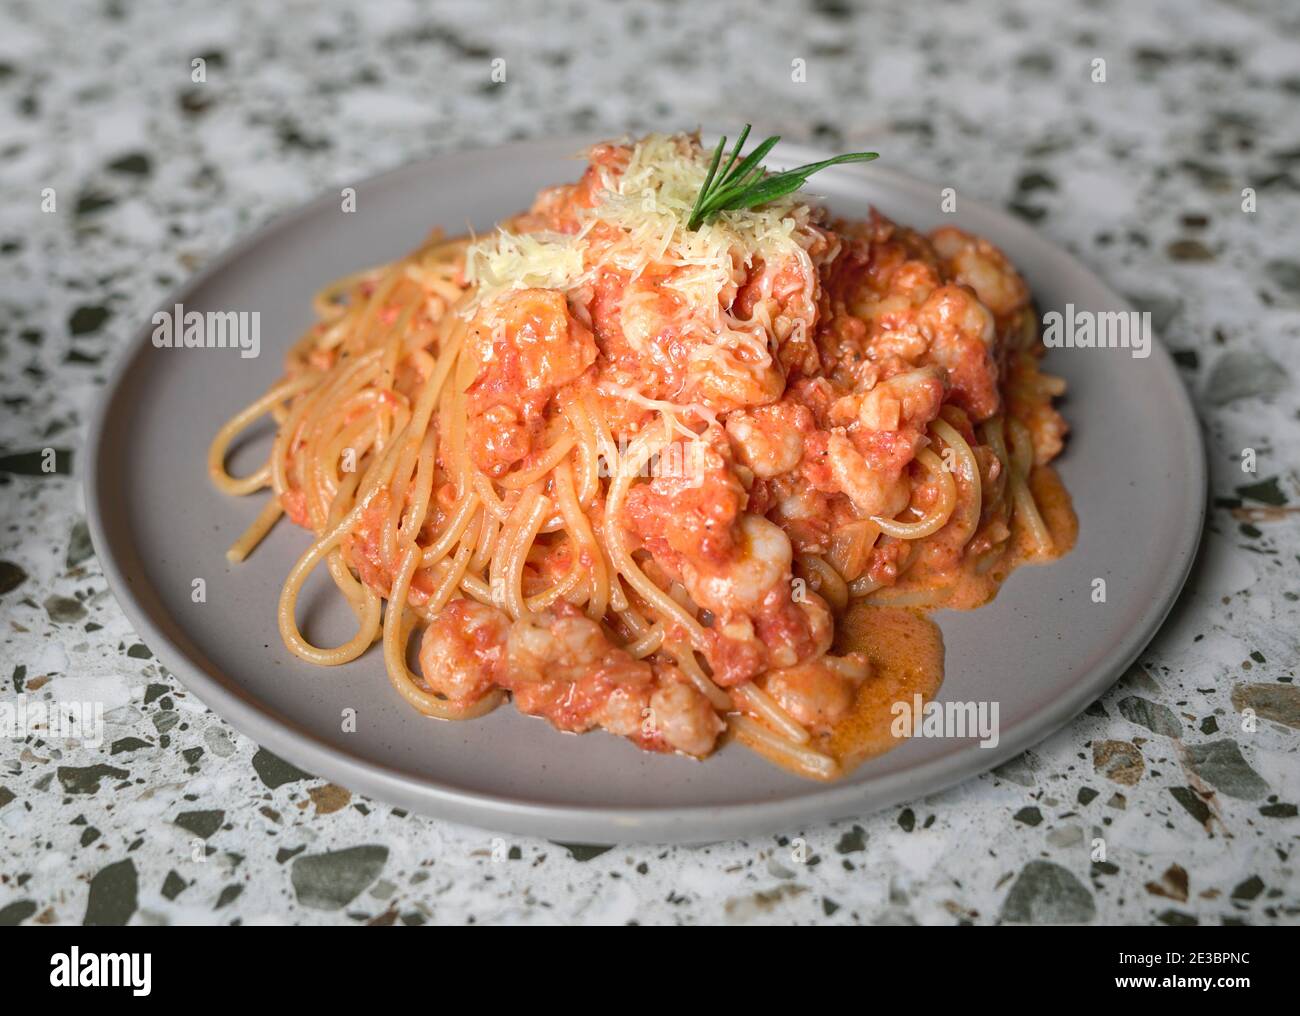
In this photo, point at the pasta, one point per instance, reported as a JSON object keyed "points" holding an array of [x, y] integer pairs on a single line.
{"points": [[630, 474]]}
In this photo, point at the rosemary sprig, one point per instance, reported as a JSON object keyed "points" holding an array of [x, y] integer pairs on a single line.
{"points": [[743, 183]]}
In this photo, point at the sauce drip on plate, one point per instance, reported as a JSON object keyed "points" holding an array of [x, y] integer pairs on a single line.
{"points": [[906, 652]]}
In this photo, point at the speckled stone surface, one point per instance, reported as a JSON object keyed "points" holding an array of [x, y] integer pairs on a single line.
{"points": [[176, 818]]}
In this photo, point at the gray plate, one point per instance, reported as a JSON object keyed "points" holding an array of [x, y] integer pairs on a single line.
{"points": [[1043, 650]]}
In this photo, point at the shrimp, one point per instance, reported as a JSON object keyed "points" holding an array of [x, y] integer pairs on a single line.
{"points": [[796, 630], [961, 334], [872, 491], [906, 401], [984, 268], [736, 653], [564, 646], [886, 428], [760, 561], [682, 716], [783, 297], [691, 511], [463, 652], [821, 626], [523, 349], [626, 711], [563, 667], [723, 379], [820, 692], [769, 439], [802, 510], [892, 312]]}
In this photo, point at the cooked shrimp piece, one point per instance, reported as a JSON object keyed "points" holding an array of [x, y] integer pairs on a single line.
{"points": [[736, 653], [984, 268], [682, 716], [690, 512], [961, 332], [760, 560], [821, 625], [793, 630], [463, 652], [872, 491], [886, 428], [527, 344], [821, 692], [782, 295], [627, 713], [562, 645], [562, 667], [722, 379], [907, 401], [523, 348], [799, 503], [769, 439]]}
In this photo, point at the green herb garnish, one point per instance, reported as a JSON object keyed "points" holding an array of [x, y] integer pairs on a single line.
{"points": [[743, 183]]}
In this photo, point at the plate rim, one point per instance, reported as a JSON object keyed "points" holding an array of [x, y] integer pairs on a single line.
{"points": [[603, 823]]}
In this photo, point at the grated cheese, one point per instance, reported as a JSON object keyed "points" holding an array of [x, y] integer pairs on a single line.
{"points": [[650, 201], [510, 261]]}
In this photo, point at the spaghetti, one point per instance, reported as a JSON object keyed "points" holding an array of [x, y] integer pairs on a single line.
{"points": [[629, 474]]}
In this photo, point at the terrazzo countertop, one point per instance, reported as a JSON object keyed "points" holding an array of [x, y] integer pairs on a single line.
{"points": [[176, 818]]}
